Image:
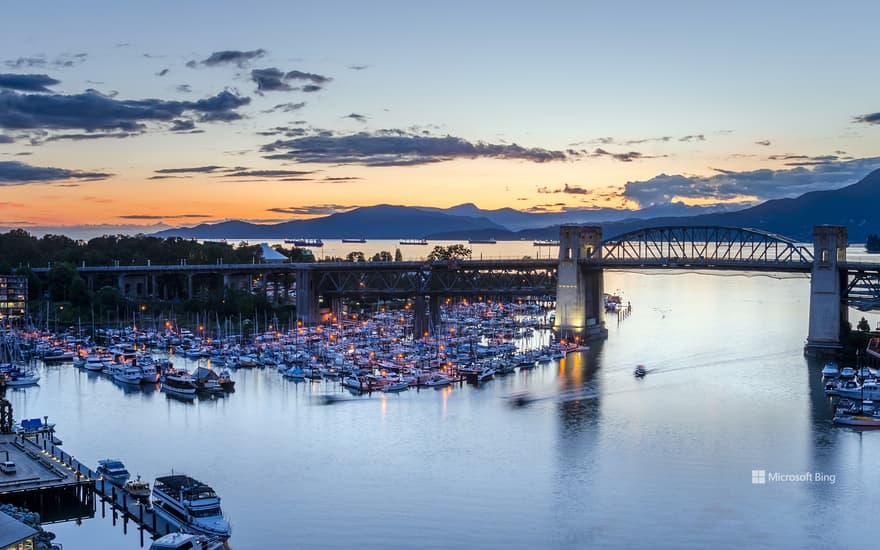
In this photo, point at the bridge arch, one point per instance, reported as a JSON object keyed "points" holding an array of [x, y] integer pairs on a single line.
{"points": [[714, 246]]}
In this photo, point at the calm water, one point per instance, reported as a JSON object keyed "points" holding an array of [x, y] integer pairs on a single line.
{"points": [[662, 462]]}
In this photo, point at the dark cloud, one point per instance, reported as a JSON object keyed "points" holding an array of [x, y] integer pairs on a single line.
{"points": [[312, 77], [288, 107], [341, 178], [311, 88], [358, 67], [220, 116], [568, 189], [62, 61], [158, 217], [313, 210], [195, 170], [85, 137], [357, 117], [695, 137], [269, 80], [808, 160], [90, 111], [628, 156], [27, 82], [182, 125], [762, 184], [870, 118], [240, 58], [764, 142], [183, 88], [6, 139], [163, 72], [267, 174], [18, 173], [168, 177], [397, 148]]}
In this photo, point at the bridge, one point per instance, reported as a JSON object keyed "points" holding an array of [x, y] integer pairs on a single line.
{"points": [[575, 278]]}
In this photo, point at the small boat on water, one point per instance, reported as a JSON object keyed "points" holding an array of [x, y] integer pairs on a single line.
{"points": [[400, 385], [640, 371], [847, 372], [438, 380], [830, 370], [186, 541], [545, 243], [128, 374], [113, 471], [482, 241], [863, 416], [358, 241], [180, 383], [189, 504], [137, 488], [413, 242], [485, 374]]}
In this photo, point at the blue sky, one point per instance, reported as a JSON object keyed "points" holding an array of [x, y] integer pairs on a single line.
{"points": [[488, 102]]}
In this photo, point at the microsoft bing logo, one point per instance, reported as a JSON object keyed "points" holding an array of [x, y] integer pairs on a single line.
{"points": [[759, 477]]}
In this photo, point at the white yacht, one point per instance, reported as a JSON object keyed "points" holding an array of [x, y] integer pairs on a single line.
{"points": [[190, 504], [94, 363], [128, 374], [180, 383]]}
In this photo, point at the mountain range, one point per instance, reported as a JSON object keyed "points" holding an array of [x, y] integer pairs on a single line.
{"points": [[855, 206]]}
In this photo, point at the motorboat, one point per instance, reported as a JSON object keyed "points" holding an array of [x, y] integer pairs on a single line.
{"points": [[852, 390], [180, 383], [128, 374], [226, 382], [352, 382], [113, 471], [847, 372], [186, 541], [94, 363], [865, 372], [19, 378], [830, 370], [438, 380], [400, 385], [485, 374], [137, 488], [189, 504], [640, 371]]}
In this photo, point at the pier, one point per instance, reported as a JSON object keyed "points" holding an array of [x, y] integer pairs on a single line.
{"points": [[59, 487]]}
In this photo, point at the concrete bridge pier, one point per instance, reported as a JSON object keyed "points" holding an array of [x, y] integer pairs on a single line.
{"points": [[421, 324], [580, 305], [434, 312], [306, 297], [828, 309]]}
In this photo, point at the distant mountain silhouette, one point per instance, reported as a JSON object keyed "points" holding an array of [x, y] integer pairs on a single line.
{"points": [[373, 222], [855, 206]]}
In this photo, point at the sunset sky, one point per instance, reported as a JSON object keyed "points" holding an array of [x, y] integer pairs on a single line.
{"points": [[123, 113]]}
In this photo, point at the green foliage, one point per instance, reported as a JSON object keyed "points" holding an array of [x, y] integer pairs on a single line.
{"points": [[864, 325], [398, 256], [383, 256], [451, 252], [356, 256]]}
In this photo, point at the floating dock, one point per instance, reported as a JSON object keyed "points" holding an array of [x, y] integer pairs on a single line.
{"points": [[53, 483]]}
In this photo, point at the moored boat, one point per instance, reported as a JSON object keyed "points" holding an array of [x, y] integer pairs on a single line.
{"points": [[113, 471], [137, 488], [830, 370], [186, 541], [190, 504], [180, 383]]}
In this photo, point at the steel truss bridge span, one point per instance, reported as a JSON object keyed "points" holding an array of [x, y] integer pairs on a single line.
{"points": [[701, 247]]}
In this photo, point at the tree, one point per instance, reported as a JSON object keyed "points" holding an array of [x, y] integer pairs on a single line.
{"points": [[863, 325], [451, 252], [356, 256], [383, 256], [398, 257], [61, 277]]}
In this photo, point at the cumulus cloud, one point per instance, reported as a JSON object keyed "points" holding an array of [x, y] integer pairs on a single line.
{"points": [[18, 173], [27, 82], [92, 111], [226, 57], [758, 185], [270, 79], [870, 118], [397, 148]]}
